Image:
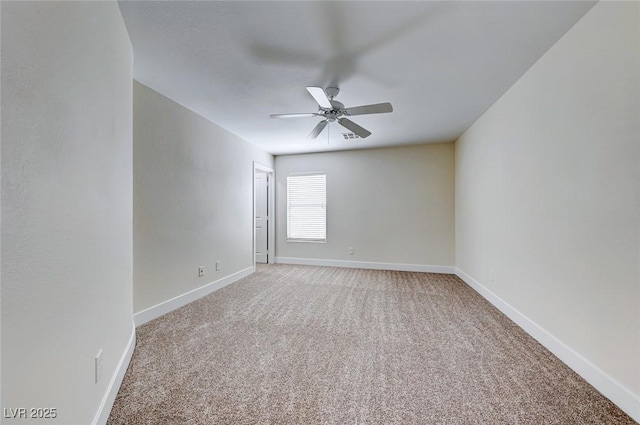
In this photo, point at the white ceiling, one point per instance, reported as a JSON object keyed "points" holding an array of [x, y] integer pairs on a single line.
{"points": [[441, 64]]}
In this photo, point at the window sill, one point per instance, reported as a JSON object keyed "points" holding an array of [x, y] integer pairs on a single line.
{"points": [[306, 241]]}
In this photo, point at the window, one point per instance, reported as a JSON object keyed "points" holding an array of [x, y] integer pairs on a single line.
{"points": [[307, 208]]}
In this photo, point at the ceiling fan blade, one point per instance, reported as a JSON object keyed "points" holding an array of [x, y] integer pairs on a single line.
{"points": [[318, 129], [378, 108], [312, 114], [348, 124], [320, 96]]}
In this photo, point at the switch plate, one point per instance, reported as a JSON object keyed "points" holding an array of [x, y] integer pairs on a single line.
{"points": [[98, 366], [218, 265], [351, 250], [200, 271], [492, 275]]}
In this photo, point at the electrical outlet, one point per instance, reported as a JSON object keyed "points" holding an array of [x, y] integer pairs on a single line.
{"points": [[350, 250], [218, 265], [98, 366], [200, 271]]}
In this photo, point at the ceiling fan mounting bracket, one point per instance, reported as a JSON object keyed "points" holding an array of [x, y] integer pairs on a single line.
{"points": [[332, 92]]}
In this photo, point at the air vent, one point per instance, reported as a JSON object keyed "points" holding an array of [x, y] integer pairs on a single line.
{"points": [[348, 136]]}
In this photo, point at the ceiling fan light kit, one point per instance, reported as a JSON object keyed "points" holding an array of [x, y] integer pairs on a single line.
{"points": [[332, 110]]}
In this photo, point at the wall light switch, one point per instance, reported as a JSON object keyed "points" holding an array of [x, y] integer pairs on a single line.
{"points": [[98, 366], [218, 265], [350, 250]]}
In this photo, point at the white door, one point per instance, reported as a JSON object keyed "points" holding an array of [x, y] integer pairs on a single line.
{"points": [[262, 218]]}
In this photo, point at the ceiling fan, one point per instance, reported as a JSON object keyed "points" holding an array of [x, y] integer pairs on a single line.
{"points": [[331, 110]]}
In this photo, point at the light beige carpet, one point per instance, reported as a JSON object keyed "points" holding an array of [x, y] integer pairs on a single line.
{"points": [[320, 345]]}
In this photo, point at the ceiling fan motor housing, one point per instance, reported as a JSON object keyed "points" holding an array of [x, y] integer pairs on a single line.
{"points": [[334, 113]]}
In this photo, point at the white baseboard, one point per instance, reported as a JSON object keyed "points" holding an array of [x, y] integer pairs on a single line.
{"points": [[367, 265], [608, 386], [116, 380], [165, 307]]}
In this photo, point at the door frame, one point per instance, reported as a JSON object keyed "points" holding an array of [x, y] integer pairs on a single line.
{"points": [[271, 198]]}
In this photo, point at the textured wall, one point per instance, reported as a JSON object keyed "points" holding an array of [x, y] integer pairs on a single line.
{"points": [[391, 205], [193, 199], [548, 192], [66, 204]]}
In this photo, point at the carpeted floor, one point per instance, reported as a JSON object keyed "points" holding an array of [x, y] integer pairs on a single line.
{"points": [[321, 345]]}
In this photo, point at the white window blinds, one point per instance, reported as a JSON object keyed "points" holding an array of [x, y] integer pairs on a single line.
{"points": [[307, 207]]}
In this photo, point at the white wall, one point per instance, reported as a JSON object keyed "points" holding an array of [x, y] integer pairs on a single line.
{"points": [[193, 199], [66, 204], [548, 194], [393, 205]]}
